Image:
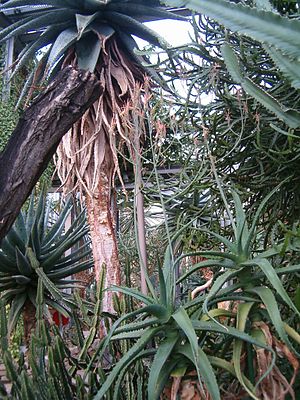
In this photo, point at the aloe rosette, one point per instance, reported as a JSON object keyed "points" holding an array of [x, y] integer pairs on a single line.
{"points": [[32, 249]]}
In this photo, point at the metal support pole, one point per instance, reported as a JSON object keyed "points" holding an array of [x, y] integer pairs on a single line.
{"points": [[140, 214]]}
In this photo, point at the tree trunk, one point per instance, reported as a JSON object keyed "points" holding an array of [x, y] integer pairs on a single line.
{"points": [[103, 236], [29, 319], [37, 136]]}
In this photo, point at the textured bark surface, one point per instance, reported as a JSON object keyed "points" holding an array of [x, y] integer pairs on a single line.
{"points": [[103, 236], [37, 136], [29, 318]]}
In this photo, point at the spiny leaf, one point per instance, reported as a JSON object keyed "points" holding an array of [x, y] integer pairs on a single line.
{"points": [[289, 116], [131, 25], [199, 358], [274, 280], [134, 350], [242, 316], [290, 67], [265, 26], [83, 21], [164, 350], [271, 305]]}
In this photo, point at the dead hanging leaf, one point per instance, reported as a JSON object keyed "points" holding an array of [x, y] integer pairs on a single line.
{"points": [[275, 385], [121, 79], [233, 391], [185, 388], [175, 387], [189, 391], [92, 144]]}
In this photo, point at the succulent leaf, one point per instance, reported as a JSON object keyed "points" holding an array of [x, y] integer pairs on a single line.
{"points": [[24, 261]]}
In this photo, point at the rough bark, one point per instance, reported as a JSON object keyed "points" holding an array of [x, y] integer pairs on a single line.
{"points": [[29, 319], [105, 251], [37, 136]]}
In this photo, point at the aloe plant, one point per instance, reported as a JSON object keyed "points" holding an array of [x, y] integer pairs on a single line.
{"points": [[274, 31], [55, 372], [246, 276], [177, 335], [97, 36], [173, 335], [34, 250]]}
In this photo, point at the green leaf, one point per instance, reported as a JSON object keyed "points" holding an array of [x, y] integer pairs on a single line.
{"points": [[134, 351], [19, 3], [211, 326], [242, 231], [143, 354], [163, 297], [203, 366], [83, 21], [273, 279], [227, 366], [132, 26], [162, 354], [290, 67], [64, 40], [59, 224], [258, 214], [21, 279], [53, 257], [204, 264], [147, 300], [30, 216], [9, 250], [289, 116], [292, 333], [20, 227], [14, 239], [39, 21], [4, 32], [297, 297], [23, 263], [88, 50], [6, 264], [264, 26], [242, 316], [217, 285], [271, 305], [73, 257], [137, 325], [144, 12], [15, 311], [70, 270]]}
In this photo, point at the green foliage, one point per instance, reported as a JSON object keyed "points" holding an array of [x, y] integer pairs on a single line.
{"points": [[51, 374], [247, 134], [69, 27], [34, 250], [264, 26], [289, 116], [8, 121], [178, 331]]}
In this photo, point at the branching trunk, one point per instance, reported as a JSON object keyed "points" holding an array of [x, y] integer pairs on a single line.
{"points": [[103, 236], [37, 136]]}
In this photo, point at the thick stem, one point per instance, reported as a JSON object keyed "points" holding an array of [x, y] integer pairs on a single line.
{"points": [[37, 136], [29, 318], [103, 236]]}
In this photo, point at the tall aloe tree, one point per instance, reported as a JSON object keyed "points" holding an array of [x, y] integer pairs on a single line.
{"points": [[94, 35]]}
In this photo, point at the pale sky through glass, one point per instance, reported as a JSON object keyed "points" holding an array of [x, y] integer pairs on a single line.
{"points": [[174, 32]]}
